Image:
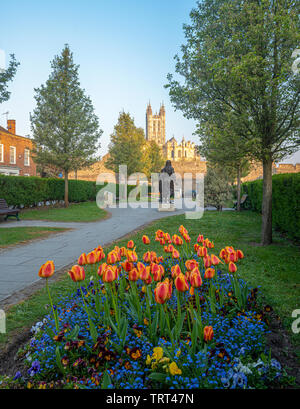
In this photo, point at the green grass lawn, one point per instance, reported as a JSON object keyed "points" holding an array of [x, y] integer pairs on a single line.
{"points": [[275, 269], [16, 235], [76, 212]]}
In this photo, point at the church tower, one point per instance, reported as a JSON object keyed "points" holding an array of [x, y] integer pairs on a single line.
{"points": [[156, 125]]}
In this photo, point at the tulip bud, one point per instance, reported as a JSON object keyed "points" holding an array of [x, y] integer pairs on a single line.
{"points": [[82, 259], [47, 269], [77, 273], [133, 275], [91, 258], [130, 244], [195, 278], [146, 239], [181, 283], [209, 273], [208, 333], [232, 267]]}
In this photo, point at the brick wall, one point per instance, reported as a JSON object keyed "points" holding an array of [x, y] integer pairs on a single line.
{"points": [[7, 139]]}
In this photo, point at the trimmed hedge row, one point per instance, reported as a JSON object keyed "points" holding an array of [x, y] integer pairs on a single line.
{"points": [[28, 191], [285, 201]]}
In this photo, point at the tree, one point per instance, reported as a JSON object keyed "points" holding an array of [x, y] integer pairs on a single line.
{"points": [[153, 159], [7, 75], [65, 127], [217, 187], [127, 146], [238, 54], [222, 144]]}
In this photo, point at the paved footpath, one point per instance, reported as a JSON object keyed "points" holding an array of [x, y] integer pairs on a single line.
{"points": [[19, 265]]}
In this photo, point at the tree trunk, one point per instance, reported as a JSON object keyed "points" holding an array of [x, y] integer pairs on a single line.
{"points": [[266, 232], [66, 189], [238, 206]]}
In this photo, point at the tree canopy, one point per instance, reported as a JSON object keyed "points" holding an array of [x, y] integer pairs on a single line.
{"points": [[7, 75]]}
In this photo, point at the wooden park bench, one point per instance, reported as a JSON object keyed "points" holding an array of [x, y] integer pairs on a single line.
{"points": [[243, 201], [5, 210]]}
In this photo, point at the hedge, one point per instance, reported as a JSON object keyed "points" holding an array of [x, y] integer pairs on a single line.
{"points": [[285, 201], [29, 191]]}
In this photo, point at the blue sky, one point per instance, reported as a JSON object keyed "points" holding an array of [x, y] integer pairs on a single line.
{"points": [[125, 49]]}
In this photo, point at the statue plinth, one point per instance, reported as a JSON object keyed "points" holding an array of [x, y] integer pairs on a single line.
{"points": [[166, 207]]}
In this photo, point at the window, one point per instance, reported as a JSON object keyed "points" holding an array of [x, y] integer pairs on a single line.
{"points": [[1, 153], [26, 157], [12, 155]]}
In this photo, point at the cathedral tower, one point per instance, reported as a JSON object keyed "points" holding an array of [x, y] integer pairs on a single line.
{"points": [[156, 125]]}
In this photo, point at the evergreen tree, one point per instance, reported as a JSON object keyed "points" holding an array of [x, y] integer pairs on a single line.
{"points": [[127, 146], [65, 128], [7, 75], [239, 54]]}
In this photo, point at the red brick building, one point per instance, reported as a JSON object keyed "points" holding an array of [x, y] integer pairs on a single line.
{"points": [[15, 152]]}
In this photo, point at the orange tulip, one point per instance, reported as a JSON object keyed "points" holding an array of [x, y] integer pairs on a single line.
{"points": [[145, 274], [191, 264], [77, 273], [130, 244], [181, 283], [208, 333], [240, 254], [202, 252], [91, 258], [200, 238], [168, 238], [112, 257], [110, 274], [127, 266], [177, 240], [186, 237], [132, 256], [175, 254], [196, 247], [162, 241], [232, 267], [223, 254], [163, 291], [157, 271], [175, 270], [123, 251], [207, 261], [146, 239], [133, 275], [101, 269], [182, 230], [82, 259], [209, 273], [47, 269], [195, 278], [210, 244], [215, 260]]}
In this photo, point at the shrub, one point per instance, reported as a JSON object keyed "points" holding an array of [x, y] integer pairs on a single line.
{"points": [[27, 191], [285, 202]]}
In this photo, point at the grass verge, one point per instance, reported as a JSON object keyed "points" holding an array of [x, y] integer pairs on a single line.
{"points": [[76, 212], [16, 235]]}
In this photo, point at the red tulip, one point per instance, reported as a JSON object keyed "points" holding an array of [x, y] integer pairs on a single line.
{"points": [[127, 266], [207, 261], [91, 258], [175, 254], [215, 260], [177, 240], [163, 291], [47, 269], [240, 254], [175, 270], [132, 256], [200, 238], [101, 269]]}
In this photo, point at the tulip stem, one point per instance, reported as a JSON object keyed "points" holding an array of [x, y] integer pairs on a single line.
{"points": [[51, 303]]}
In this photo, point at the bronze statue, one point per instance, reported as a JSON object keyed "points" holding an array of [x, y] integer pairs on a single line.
{"points": [[166, 183]]}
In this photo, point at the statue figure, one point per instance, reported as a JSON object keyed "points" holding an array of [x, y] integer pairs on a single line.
{"points": [[166, 183]]}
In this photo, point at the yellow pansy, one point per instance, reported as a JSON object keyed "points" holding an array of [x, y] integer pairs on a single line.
{"points": [[174, 370]]}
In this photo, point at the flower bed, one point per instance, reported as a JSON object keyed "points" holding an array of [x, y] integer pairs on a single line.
{"points": [[184, 319]]}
